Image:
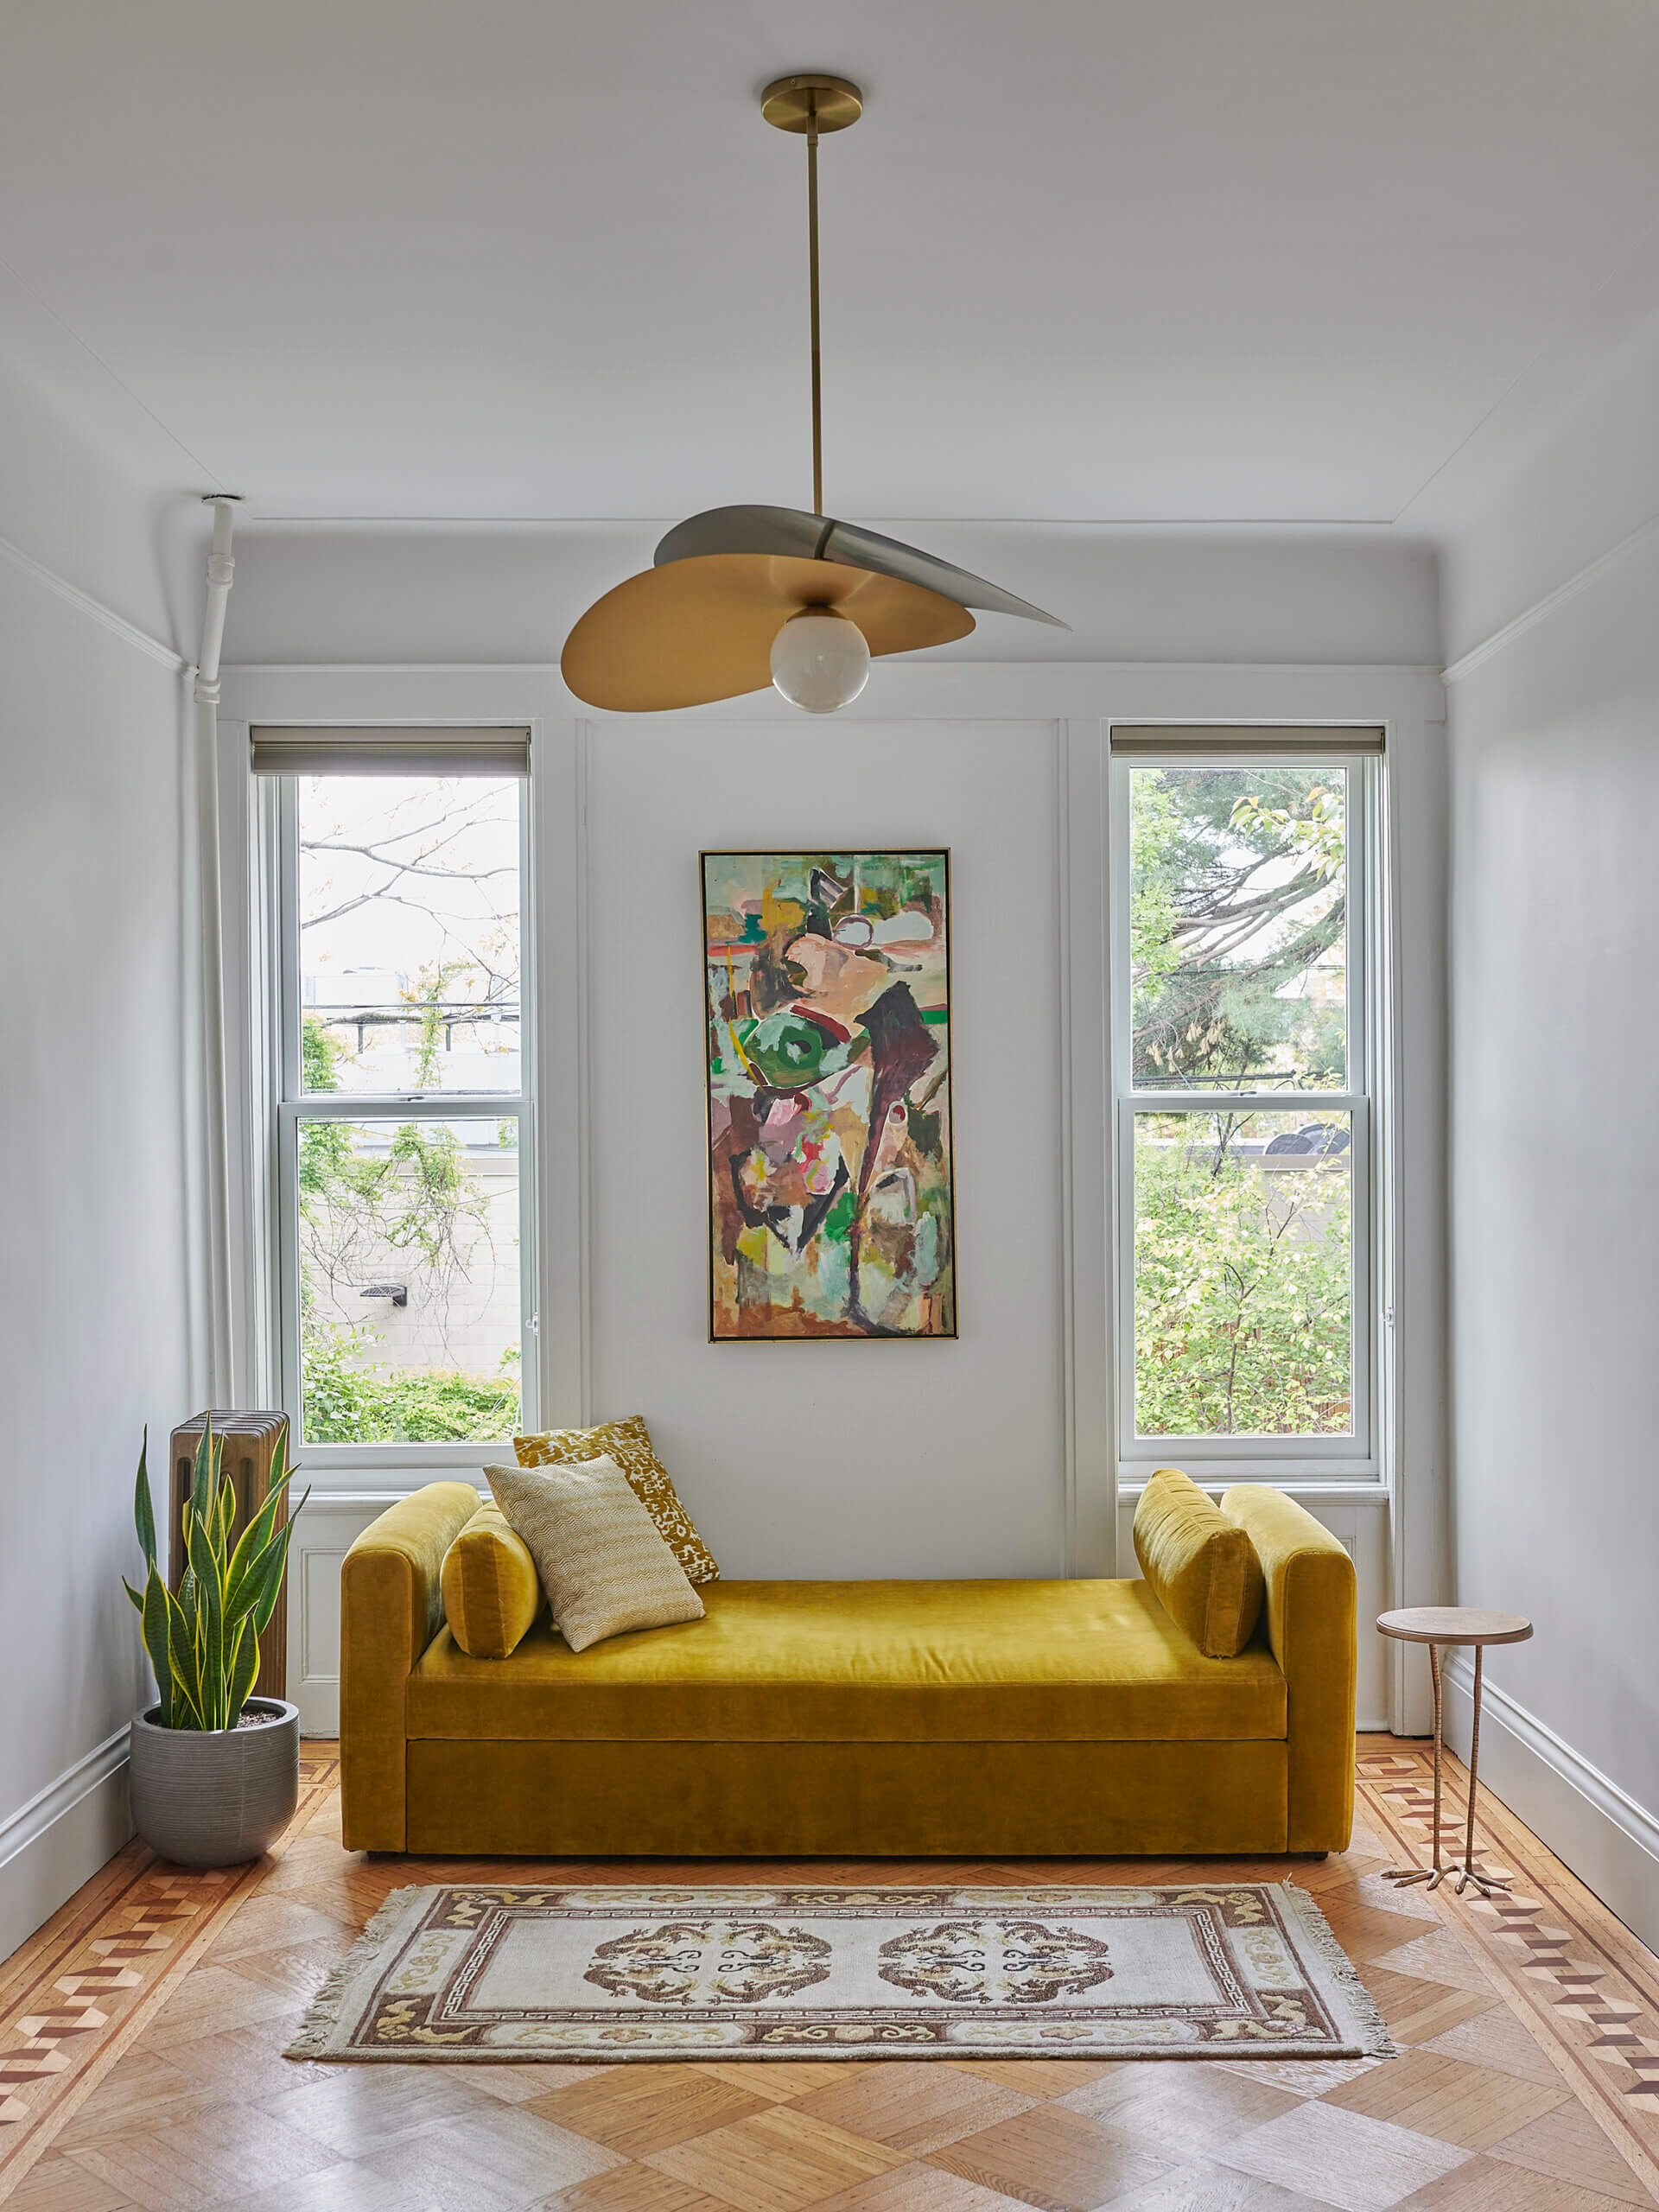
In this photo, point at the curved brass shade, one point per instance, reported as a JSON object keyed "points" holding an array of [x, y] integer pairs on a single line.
{"points": [[701, 629], [821, 537]]}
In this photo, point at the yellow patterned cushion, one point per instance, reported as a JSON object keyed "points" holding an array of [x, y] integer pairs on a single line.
{"points": [[602, 1561], [628, 1443], [1202, 1566], [491, 1595]]}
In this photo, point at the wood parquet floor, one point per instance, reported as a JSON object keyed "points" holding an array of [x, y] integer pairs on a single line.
{"points": [[141, 2034]]}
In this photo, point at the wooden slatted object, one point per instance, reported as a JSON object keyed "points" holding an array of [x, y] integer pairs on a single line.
{"points": [[251, 1441]]}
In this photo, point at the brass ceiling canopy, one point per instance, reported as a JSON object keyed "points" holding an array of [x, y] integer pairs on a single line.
{"points": [[704, 622], [800, 103]]}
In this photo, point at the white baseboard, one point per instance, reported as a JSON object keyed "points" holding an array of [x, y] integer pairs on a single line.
{"points": [[1609, 1841], [57, 1840]]}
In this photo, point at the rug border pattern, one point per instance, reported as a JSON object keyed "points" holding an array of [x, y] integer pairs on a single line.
{"points": [[352, 2002]]}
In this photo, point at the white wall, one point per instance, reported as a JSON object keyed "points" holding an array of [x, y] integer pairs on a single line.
{"points": [[835, 1459], [1555, 1208], [98, 1312], [506, 594]]}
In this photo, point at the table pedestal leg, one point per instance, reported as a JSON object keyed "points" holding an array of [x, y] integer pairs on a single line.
{"points": [[1465, 1869], [1436, 1874]]}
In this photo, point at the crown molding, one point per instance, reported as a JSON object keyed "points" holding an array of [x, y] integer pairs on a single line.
{"points": [[1551, 603], [84, 603]]}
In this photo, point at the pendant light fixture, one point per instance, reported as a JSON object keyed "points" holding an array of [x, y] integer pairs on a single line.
{"points": [[741, 596]]}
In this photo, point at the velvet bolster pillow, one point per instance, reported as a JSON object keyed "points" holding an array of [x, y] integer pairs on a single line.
{"points": [[491, 1592], [1203, 1567]]}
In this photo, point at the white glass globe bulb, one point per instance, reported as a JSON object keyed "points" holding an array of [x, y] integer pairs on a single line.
{"points": [[820, 660]]}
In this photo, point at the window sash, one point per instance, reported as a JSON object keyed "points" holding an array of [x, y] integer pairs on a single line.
{"points": [[1356, 978], [1357, 1458], [1353, 1455], [295, 1105], [290, 1013]]}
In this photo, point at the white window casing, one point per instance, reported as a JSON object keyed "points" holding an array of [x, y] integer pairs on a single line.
{"points": [[279, 757], [1356, 755]]}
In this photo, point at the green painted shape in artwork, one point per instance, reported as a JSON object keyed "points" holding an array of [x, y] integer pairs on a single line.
{"points": [[924, 1131], [838, 1222]]}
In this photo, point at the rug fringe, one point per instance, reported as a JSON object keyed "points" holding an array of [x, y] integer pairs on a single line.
{"points": [[318, 2028], [322, 2014], [1375, 2041]]}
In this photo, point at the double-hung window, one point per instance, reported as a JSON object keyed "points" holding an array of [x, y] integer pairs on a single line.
{"points": [[404, 1257], [1246, 1043]]}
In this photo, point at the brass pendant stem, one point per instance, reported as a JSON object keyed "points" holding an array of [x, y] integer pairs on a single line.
{"points": [[809, 105], [812, 279]]}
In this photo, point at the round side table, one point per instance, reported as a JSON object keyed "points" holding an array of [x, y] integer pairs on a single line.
{"points": [[1436, 1625]]}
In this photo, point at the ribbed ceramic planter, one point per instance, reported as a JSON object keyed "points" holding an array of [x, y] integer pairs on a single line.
{"points": [[213, 1798]]}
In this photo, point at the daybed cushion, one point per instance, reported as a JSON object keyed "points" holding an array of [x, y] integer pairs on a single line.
{"points": [[490, 1590], [1203, 1565], [871, 1662]]}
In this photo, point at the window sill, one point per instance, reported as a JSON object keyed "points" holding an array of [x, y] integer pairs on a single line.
{"points": [[1306, 1489]]}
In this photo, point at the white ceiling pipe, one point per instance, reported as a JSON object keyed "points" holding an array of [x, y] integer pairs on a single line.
{"points": [[220, 570], [221, 1341]]}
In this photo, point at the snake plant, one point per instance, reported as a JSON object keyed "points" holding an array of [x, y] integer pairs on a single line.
{"points": [[203, 1642]]}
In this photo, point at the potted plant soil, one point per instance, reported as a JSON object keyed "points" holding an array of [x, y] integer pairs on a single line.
{"points": [[215, 1771]]}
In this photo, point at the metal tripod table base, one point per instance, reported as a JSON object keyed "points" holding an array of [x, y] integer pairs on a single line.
{"points": [[1435, 1626], [1489, 1885], [1402, 1876]]}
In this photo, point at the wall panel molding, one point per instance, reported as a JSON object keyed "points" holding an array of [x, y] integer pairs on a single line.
{"points": [[1086, 1254], [323, 1534]]}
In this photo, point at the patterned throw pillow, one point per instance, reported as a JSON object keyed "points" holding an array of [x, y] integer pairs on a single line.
{"points": [[627, 1442], [602, 1561]]}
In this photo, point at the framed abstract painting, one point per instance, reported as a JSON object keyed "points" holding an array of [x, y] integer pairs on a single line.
{"points": [[827, 1015]]}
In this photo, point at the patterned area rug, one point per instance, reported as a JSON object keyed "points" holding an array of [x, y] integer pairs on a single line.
{"points": [[1236, 1970]]}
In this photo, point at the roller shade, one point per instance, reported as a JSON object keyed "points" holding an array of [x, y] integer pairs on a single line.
{"points": [[1130, 738], [281, 751]]}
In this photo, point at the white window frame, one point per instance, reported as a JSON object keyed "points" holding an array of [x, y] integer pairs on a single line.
{"points": [[1357, 1460], [289, 1104]]}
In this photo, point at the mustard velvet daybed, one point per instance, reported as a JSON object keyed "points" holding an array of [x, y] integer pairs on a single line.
{"points": [[853, 1719]]}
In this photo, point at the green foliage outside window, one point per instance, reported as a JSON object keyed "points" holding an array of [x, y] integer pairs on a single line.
{"points": [[419, 1198], [1238, 898], [1243, 1283], [349, 1402], [1242, 1304]]}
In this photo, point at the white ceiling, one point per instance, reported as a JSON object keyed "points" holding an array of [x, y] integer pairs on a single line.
{"points": [[1230, 260]]}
